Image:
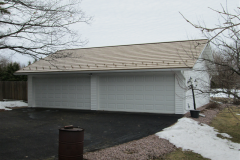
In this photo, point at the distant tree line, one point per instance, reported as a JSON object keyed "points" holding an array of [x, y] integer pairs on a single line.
{"points": [[7, 69]]}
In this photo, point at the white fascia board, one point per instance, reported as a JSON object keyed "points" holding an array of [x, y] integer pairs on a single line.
{"points": [[203, 50], [107, 71], [201, 54]]}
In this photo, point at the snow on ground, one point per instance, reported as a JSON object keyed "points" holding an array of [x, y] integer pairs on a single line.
{"points": [[224, 95], [11, 104], [201, 139]]}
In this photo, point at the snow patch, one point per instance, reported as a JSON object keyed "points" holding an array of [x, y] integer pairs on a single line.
{"points": [[200, 138], [11, 104], [224, 95], [225, 135]]}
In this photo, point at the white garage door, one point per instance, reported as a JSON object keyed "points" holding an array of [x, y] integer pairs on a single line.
{"points": [[62, 92], [137, 93]]}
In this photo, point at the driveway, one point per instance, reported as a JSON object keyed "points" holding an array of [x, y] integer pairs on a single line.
{"points": [[29, 133]]}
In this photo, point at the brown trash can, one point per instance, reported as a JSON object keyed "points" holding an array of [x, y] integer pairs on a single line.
{"points": [[70, 143]]}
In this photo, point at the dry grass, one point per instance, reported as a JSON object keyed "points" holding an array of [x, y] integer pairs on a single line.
{"points": [[181, 155], [226, 122], [226, 100]]}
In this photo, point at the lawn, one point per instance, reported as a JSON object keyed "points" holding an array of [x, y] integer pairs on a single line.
{"points": [[227, 121]]}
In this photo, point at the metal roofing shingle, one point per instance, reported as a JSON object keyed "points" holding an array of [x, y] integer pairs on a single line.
{"points": [[162, 55]]}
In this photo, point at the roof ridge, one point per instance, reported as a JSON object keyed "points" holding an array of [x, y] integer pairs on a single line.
{"points": [[133, 44]]}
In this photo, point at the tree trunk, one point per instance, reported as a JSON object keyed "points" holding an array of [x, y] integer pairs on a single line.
{"points": [[1, 91]]}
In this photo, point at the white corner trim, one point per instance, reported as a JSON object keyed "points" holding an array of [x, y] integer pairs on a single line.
{"points": [[30, 91], [94, 92]]}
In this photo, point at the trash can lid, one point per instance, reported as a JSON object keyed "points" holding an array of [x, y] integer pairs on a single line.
{"points": [[71, 129]]}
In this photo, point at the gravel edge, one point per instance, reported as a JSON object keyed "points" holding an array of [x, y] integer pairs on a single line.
{"points": [[151, 146]]}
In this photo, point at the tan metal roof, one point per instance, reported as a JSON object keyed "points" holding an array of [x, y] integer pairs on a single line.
{"points": [[163, 55]]}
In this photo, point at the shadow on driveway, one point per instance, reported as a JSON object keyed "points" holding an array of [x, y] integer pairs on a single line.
{"points": [[30, 133]]}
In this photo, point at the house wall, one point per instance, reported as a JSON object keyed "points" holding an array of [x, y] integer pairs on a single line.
{"points": [[199, 73]]}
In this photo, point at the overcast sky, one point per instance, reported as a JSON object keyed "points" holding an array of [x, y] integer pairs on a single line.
{"points": [[118, 22]]}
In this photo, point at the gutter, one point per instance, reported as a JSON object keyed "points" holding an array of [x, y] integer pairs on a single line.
{"points": [[107, 71]]}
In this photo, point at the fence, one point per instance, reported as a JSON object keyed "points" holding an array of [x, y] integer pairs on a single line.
{"points": [[16, 90]]}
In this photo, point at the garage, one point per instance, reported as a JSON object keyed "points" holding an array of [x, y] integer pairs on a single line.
{"points": [[62, 92], [150, 77], [137, 93]]}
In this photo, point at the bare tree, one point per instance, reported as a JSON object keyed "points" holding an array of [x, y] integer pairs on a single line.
{"points": [[40, 28], [4, 61], [224, 37]]}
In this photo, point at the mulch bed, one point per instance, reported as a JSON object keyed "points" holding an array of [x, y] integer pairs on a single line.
{"points": [[210, 111]]}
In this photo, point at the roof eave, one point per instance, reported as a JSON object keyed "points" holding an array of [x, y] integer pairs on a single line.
{"points": [[103, 71]]}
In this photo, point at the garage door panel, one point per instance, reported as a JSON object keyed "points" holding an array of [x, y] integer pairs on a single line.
{"points": [[129, 88], [51, 104], [139, 87], [139, 97], [111, 88], [71, 88], [80, 105], [87, 98], [58, 99], [149, 88], [159, 88], [149, 79], [111, 106], [129, 97], [120, 80], [139, 106], [159, 78], [149, 97], [64, 104], [120, 88], [138, 79], [130, 106], [111, 97], [120, 106], [72, 104], [62, 92], [120, 97], [64, 96], [86, 106], [104, 105], [58, 104], [138, 93], [149, 107], [159, 98]]}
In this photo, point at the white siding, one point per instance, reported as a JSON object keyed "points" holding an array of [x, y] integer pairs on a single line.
{"points": [[94, 92], [200, 74], [179, 93]]}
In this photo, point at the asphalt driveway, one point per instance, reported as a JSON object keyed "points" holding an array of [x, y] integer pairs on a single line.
{"points": [[30, 133]]}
